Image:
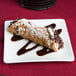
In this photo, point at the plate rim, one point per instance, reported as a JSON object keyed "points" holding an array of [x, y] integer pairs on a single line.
{"points": [[67, 60]]}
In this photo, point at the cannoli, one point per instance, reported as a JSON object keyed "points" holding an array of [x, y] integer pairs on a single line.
{"points": [[45, 36]]}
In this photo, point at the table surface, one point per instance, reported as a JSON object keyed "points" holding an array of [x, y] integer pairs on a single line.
{"points": [[64, 9]]}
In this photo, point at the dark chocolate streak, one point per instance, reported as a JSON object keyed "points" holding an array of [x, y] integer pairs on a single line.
{"points": [[24, 50], [53, 25], [44, 51], [57, 32], [16, 38]]}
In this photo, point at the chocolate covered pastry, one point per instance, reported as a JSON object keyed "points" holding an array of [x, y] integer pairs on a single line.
{"points": [[45, 36]]}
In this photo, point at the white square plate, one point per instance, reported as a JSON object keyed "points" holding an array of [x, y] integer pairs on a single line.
{"points": [[10, 48]]}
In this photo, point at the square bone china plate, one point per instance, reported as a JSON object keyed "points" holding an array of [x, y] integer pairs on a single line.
{"points": [[11, 48]]}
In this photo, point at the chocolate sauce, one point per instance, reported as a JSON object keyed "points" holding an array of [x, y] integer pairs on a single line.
{"points": [[53, 25], [16, 38], [44, 51], [57, 32], [24, 50]]}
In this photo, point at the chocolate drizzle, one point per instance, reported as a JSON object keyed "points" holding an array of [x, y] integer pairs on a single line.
{"points": [[16, 38], [53, 25], [24, 50], [43, 51], [57, 32]]}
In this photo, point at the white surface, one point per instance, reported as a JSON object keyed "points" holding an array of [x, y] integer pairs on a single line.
{"points": [[11, 48]]}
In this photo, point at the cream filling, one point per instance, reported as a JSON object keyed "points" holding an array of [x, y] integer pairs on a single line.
{"points": [[51, 32]]}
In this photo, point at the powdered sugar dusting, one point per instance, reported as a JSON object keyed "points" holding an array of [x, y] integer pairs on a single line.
{"points": [[41, 32]]}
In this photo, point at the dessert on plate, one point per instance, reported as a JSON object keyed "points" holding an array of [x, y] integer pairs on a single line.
{"points": [[46, 36]]}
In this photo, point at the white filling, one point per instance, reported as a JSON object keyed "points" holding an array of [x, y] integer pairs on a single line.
{"points": [[51, 32]]}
